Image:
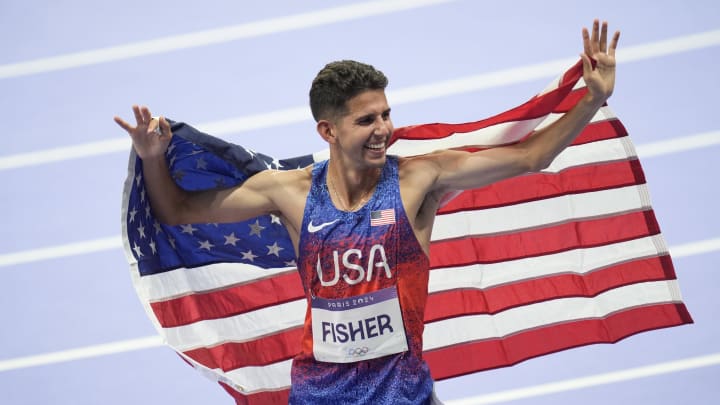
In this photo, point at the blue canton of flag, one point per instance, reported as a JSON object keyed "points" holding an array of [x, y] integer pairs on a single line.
{"points": [[200, 162]]}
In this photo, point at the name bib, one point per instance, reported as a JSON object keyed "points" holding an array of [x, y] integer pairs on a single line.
{"points": [[358, 328]]}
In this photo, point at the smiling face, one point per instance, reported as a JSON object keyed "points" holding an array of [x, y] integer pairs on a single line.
{"points": [[359, 137]]}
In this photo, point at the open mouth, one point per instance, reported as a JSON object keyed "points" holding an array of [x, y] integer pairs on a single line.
{"points": [[375, 146]]}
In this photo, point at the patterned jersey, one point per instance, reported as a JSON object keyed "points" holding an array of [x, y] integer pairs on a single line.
{"points": [[339, 257]]}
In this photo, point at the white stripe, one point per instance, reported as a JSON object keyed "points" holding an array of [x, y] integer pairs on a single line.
{"points": [[494, 135], [472, 328], [398, 97], [260, 378], [538, 213], [591, 381], [576, 261], [180, 281], [81, 353], [238, 328], [213, 36]]}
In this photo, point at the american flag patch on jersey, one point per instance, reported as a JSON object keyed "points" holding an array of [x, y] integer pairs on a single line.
{"points": [[382, 217]]}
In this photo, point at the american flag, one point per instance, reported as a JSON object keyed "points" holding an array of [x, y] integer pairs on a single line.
{"points": [[382, 217], [548, 261]]}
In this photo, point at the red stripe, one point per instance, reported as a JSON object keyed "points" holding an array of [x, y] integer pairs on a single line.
{"points": [[488, 354], [450, 304], [260, 398], [538, 186], [260, 352], [231, 301], [535, 107], [550, 239]]}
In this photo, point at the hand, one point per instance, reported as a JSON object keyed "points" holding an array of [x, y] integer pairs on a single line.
{"points": [[600, 81], [148, 143]]}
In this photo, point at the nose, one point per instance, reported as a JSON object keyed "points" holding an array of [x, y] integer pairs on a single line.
{"points": [[383, 126]]}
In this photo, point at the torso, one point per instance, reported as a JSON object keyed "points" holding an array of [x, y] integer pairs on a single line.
{"points": [[346, 254]]}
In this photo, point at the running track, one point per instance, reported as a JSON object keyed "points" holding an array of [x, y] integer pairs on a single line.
{"points": [[73, 331]]}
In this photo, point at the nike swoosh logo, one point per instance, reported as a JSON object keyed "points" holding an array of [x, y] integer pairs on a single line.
{"points": [[312, 228]]}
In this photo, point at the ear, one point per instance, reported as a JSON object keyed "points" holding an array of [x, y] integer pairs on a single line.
{"points": [[326, 130]]}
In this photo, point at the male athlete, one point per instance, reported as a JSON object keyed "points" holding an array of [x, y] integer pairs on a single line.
{"points": [[361, 222]]}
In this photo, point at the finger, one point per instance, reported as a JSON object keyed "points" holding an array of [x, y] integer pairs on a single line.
{"points": [[586, 41], [138, 116], [603, 37], [154, 126], [147, 117], [613, 43], [587, 64], [595, 35], [124, 125], [165, 127]]}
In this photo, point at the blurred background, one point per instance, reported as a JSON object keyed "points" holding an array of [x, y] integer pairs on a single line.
{"points": [[73, 330]]}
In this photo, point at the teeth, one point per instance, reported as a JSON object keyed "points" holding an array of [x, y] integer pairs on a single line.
{"points": [[376, 146]]}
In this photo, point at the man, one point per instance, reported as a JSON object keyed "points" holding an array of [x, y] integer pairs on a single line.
{"points": [[361, 223]]}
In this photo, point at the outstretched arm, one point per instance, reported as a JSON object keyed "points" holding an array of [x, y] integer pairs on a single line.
{"points": [[463, 170], [173, 205]]}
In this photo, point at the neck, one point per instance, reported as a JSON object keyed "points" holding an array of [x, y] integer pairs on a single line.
{"points": [[350, 189]]}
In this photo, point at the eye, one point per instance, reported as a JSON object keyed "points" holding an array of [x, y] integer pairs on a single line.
{"points": [[367, 120]]}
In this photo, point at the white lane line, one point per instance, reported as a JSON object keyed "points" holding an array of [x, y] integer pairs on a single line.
{"points": [[591, 381], [58, 251], [403, 96], [81, 353], [674, 145], [213, 36]]}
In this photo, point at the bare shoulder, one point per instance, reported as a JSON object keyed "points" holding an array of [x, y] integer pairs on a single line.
{"points": [[424, 170]]}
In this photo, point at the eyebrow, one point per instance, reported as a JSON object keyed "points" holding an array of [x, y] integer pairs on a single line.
{"points": [[370, 115]]}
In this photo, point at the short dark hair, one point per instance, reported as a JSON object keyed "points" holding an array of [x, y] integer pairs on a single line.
{"points": [[340, 81]]}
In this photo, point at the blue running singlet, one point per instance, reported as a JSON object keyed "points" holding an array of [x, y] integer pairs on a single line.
{"points": [[348, 254]]}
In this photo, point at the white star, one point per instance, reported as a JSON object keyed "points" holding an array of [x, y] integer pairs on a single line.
{"points": [[277, 163], [172, 242], [137, 250], [201, 164], [188, 228], [172, 159], [268, 165], [158, 228], [132, 214], [249, 256], [291, 263], [138, 179], [274, 249], [170, 148], [206, 245], [274, 219], [142, 195], [147, 211], [196, 152], [231, 239], [256, 228], [141, 231], [152, 246]]}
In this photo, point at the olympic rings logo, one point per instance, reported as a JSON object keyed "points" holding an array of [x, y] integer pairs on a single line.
{"points": [[357, 351]]}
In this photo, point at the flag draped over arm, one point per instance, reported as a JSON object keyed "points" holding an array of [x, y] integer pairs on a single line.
{"points": [[569, 256]]}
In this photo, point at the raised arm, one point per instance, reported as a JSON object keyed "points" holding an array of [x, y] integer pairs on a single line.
{"points": [[463, 170], [173, 205]]}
